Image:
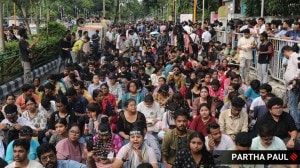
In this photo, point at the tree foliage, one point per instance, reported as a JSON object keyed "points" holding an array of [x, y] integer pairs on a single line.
{"points": [[273, 7]]}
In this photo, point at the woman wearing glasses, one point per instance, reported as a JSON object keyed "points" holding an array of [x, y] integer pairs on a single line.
{"points": [[70, 148]]}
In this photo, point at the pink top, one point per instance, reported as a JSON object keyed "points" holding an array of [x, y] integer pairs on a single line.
{"points": [[69, 151], [116, 142], [219, 93]]}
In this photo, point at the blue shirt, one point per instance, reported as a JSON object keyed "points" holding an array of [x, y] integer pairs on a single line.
{"points": [[69, 164], [250, 94], [9, 157], [293, 33]]}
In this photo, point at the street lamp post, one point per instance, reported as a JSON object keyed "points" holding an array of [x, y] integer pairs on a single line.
{"points": [[195, 11], [120, 4], [262, 8], [203, 3]]}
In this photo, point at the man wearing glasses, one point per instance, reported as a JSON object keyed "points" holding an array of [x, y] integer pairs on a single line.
{"points": [[285, 127], [47, 156]]}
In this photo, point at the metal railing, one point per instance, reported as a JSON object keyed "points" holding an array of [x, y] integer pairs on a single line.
{"points": [[10, 62], [276, 66]]}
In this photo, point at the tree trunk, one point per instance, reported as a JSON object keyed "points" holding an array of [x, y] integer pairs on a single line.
{"points": [[117, 13], [1, 27]]}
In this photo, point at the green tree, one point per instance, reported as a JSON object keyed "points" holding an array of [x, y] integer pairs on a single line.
{"points": [[273, 7]]}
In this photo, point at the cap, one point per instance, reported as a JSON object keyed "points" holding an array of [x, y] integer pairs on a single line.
{"points": [[26, 130], [164, 88]]}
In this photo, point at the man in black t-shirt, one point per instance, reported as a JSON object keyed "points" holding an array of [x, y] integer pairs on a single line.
{"points": [[264, 52], [285, 125], [26, 54], [64, 52]]}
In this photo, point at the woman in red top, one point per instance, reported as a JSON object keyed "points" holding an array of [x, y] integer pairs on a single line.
{"points": [[201, 122], [107, 107]]}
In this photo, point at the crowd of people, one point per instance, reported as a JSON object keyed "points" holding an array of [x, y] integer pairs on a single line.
{"points": [[172, 98]]}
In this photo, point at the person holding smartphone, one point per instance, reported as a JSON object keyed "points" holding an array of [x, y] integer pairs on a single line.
{"points": [[136, 151]]}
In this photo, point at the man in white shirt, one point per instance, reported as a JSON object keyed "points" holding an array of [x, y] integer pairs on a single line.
{"points": [[151, 110], [246, 44], [261, 25], [21, 149], [206, 37], [215, 141], [14, 122], [291, 76]]}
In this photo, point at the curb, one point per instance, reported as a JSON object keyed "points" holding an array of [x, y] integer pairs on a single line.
{"points": [[16, 84]]}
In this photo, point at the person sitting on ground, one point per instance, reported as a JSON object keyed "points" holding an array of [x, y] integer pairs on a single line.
{"points": [[233, 120], [20, 152], [135, 152], [106, 145], [13, 123], [61, 132], [152, 112], [285, 127], [215, 141], [25, 133], [196, 155], [47, 157], [71, 148], [266, 139], [27, 91], [175, 139]]}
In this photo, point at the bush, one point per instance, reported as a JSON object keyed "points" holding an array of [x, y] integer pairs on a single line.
{"points": [[55, 29]]}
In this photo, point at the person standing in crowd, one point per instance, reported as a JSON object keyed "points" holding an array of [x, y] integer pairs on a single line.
{"points": [[206, 37], [64, 52], [95, 40], [265, 51], [26, 54], [246, 44], [291, 78]]}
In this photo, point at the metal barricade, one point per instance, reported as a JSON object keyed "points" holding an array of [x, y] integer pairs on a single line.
{"points": [[276, 67]]}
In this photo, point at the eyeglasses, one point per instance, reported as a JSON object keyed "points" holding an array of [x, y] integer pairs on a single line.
{"points": [[45, 158], [74, 132]]}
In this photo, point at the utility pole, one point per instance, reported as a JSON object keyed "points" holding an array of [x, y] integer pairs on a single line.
{"points": [[203, 3], [103, 8], [262, 8], [195, 11], [1, 27]]}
